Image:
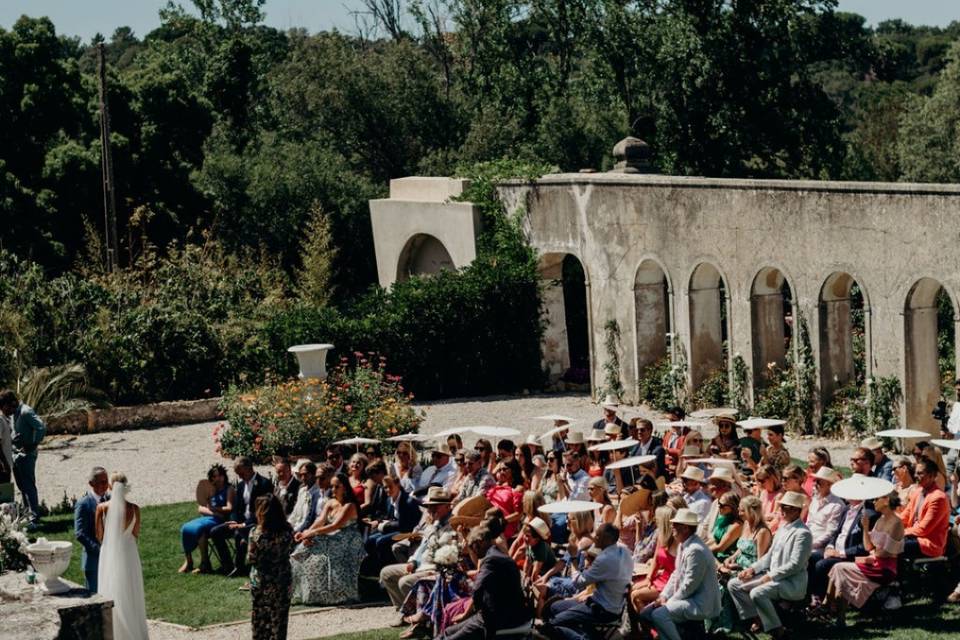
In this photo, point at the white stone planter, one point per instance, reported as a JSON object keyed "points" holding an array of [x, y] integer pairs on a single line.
{"points": [[51, 559], [312, 359]]}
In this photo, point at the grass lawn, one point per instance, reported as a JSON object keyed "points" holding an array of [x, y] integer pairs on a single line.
{"points": [[192, 600]]}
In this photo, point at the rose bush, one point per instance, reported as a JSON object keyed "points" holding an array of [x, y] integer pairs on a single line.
{"points": [[359, 398]]}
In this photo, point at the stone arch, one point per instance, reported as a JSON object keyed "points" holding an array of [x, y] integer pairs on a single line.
{"points": [[423, 254], [707, 300], [651, 296], [842, 309], [922, 379], [771, 321], [566, 339]]}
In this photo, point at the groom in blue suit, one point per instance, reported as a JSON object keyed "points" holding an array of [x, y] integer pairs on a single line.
{"points": [[84, 524]]}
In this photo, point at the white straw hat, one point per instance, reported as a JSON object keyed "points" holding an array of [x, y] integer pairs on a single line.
{"points": [[687, 517], [692, 473], [793, 499]]}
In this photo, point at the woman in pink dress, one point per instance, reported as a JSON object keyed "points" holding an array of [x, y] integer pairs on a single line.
{"points": [[506, 498], [770, 490], [661, 568]]}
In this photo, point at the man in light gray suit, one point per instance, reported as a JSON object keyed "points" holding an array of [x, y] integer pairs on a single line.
{"points": [[780, 574], [692, 593]]}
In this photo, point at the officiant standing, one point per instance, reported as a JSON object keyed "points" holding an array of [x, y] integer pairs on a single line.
{"points": [[28, 431]]}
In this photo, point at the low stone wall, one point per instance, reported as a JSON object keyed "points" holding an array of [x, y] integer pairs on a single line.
{"points": [[138, 417], [75, 614]]}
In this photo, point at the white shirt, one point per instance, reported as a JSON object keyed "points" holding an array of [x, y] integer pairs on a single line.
{"points": [[247, 492], [823, 518], [577, 485], [953, 424], [432, 475], [849, 520]]}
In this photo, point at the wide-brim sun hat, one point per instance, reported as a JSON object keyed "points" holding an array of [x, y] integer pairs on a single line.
{"points": [[724, 474], [612, 429], [827, 474], [574, 437], [859, 488], [686, 517], [533, 441], [437, 495], [596, 436], [871, 442]]}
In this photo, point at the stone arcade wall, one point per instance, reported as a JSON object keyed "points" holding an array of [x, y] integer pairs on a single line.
{"points": [[631, 232]]}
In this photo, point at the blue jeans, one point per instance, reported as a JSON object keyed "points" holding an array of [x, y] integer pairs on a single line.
{"points": [[25, 473], [573, 620]]}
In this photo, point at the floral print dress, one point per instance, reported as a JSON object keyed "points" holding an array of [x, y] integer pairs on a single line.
{"points": [[326, 572], [268, 554]]}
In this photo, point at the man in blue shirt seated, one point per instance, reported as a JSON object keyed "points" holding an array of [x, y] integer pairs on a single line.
{"points": [[611, 572]]}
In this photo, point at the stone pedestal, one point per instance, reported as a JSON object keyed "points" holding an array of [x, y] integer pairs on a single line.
{"points": [[74, 614]]}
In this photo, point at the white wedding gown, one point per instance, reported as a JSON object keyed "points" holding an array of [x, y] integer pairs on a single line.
{"points": [[120, 574]]}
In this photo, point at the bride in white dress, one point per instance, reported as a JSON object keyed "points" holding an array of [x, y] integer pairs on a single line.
{"points": [[120, 574]]}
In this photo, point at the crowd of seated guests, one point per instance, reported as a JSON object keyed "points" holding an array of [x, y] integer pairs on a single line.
{"points": [[711, 533]]}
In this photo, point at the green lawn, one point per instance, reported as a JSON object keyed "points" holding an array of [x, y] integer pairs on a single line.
{"points": [[192, 600]]}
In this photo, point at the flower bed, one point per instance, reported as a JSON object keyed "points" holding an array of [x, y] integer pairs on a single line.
{"points": [[358, 398]]}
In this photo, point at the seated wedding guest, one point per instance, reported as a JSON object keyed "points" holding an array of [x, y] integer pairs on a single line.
{"points": [[402, 515], [249, 486], [405, 467], [825, 510], [792, 477], [775, 453], [454, 443], [594, 461], [927, 515], [455, 483], [726, 442], [692, 593], [611, 572], [882, 465], [441, 469], [373, 453], [846, 547], [574, 479], [485, 448], [216, 511], [861, 462], [550, 482], [478, 480], [506, 497], [579, 540], [287, 485], [720, 483], [780, 574], [357, 474], [326, 563], [769, 489], [84, 525], [399, 579], [818, 457], [374, 504], [854, 582], [539, 558], [528, 454], [662, 564], [648, 444], [693, 494], [531, 503], [903, 480], [309, 496], [507, 454], [575, 443], [605, 513], [646, 528], [268, 555], [726, 527], [497, 594], [933, 454], [751, 448], [334, 455]]}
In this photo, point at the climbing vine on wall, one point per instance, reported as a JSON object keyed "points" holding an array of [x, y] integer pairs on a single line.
{"points": [[789, 392], [739, 389], [883, 403], [611, 367]]}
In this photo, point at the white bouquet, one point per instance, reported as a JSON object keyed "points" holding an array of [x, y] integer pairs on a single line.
{"points": [[448, 552], [13, 542]]}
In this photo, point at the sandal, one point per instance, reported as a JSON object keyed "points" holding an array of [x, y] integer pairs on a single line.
{"points": [[412, 632], [414, 618]]}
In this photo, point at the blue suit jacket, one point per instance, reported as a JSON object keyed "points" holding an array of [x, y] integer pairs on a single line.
{"points": [[84, 527]]}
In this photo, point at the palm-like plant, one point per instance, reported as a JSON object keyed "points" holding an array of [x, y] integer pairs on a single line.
{"points": [[60, 389]]}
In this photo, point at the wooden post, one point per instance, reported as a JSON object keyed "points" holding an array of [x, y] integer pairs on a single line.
{"points": [[106, 167]]}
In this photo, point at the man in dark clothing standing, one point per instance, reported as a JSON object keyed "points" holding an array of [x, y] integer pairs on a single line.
{"points": [[497, 599]]}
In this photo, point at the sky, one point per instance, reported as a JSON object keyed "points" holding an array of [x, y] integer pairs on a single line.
{"points": [[85, 18]]}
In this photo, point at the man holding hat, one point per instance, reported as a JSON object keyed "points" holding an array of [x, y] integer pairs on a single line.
{"points": [[610, 407], [825, 513], [697, 500], [882, 465], [720, 483], [441, 469], [692, 593], [780, 574], [399, 579]]}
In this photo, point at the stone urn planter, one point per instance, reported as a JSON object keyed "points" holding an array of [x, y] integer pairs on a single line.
{"points": [[312, 359], [51, 559]]}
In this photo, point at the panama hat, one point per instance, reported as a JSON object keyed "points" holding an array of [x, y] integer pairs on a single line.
{"points": [[687, 517], [574, 437], [538, 525], [724, 474], [443, 449], [533, 441], [871, 443], [611, 402], [612, 429], [693, 473], [437, 495], [793, 499], [597, 436], [826, 473]]}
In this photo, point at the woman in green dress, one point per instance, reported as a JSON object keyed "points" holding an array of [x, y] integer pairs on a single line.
{"points": [[726, 528], [268, 555]]}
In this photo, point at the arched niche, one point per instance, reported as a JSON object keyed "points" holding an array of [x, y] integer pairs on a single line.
{"points": [[423, 254], [651, 293], [566, 337], [929, 310], [708, 323], [771, 320], [841, 309]]}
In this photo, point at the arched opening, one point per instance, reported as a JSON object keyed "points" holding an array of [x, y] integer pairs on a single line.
{"points": [[422, 255], [651, 294], [930, 351], [771, 318], [708, 324], [566, 338], [842, 331]]}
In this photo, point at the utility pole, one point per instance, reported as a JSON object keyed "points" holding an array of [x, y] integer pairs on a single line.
{"points": [[106, 167]]}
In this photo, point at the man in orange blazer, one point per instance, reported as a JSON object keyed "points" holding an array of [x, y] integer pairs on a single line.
{"points": [[927, 516]]}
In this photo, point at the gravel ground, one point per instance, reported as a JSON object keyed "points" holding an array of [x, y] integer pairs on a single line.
{"points": [[164, 464]]}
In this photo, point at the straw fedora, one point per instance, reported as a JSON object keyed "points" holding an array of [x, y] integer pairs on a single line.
{"points": [[597, 436], [533, 441], [871, 443], [792, 499], [687, 517], [611, 402], [437, 495], [826, 473], [723, 474], [442, 448], [538, 525], [575, 437], [612, 429], [693, 473]]}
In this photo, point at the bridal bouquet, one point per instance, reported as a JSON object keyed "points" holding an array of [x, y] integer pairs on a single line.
{"points": [[447, 554], [13, 542]]}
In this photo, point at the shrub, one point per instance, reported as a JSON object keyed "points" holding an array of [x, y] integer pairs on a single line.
{"points": [[303, 417], [655, 386]]}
